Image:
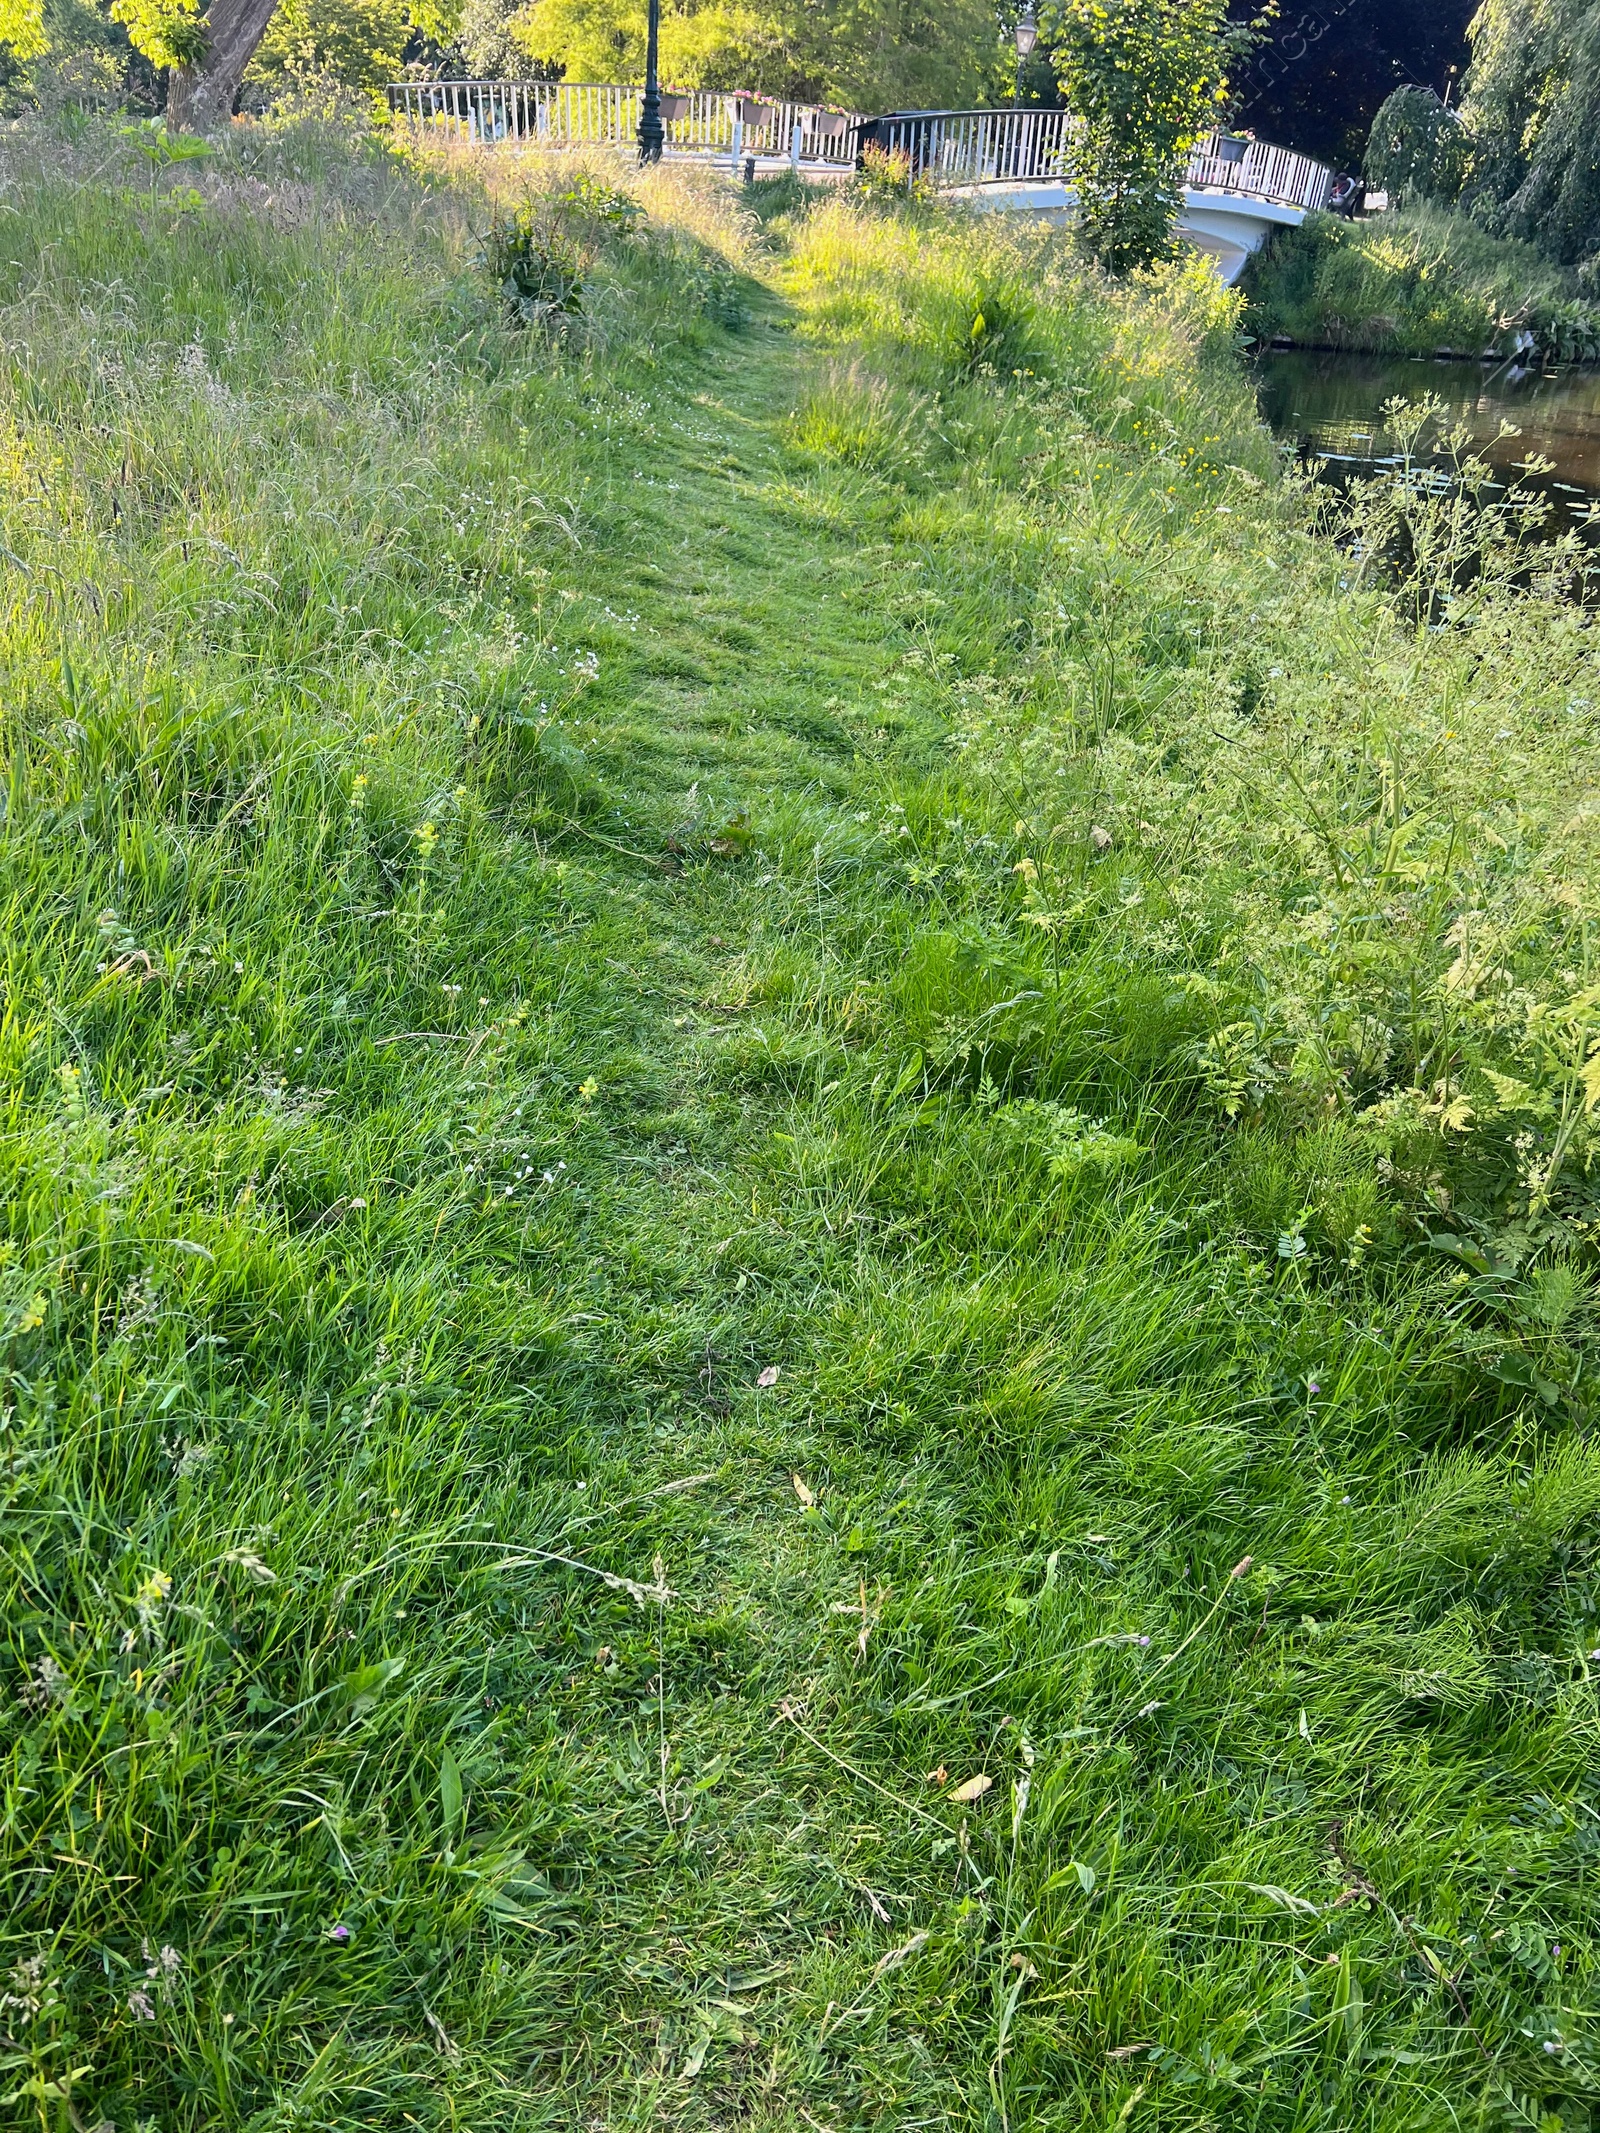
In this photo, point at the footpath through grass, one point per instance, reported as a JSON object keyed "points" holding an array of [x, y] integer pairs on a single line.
{"points": [[726, 1401]]}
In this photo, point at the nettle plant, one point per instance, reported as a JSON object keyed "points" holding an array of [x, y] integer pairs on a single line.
{"points": [[540, 255]]}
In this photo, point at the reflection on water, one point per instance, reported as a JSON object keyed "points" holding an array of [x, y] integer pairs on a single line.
{"points": [[1328, 405]]}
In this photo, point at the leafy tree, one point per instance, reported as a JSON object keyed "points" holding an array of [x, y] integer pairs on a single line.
{"points": [[1318, 77], [1532, 107], [205, 54], [718, 46], [206, 49], [869, 54], [1417, 149], [22, 28], [359, 43], [1147, 79], [484, 39], [71, 53]]}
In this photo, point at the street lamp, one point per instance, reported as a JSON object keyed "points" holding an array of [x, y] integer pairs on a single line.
{"points": [[652, 135], [1027, 38]]}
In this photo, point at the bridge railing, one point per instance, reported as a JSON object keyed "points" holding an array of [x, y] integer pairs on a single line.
{"points": [[1262, 173], [969, 147], [952, 147], [981, 147], [564, 114]]}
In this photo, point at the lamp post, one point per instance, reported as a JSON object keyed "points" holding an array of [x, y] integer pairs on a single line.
{"points": [[1027, 38], [652, 135]]}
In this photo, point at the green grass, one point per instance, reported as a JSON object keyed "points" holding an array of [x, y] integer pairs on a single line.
{"points": [[725, 1397], [1423, 282]]}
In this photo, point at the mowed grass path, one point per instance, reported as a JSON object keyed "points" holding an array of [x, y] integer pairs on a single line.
{"points": [[595, 1536]]}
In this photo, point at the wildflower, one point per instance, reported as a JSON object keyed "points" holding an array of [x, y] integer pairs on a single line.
{"points": [[589, 1088], [140, 2005], [150, 1597], [339, 1933]]}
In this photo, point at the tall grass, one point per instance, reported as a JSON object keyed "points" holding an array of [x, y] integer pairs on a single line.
{"points": [[796, 1263], [1425, 282]]}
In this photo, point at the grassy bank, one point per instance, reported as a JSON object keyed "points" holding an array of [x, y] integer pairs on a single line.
{"points": [[1425, 282], [797, 1199]]}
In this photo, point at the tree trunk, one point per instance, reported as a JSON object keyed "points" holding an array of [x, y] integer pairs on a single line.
{"points": [[200, 97]]}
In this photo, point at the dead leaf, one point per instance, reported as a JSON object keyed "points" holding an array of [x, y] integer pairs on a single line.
{"points": [[974, 1788], [806, 1496], [1099, 838], [1126, 2051], [941, 1776]]}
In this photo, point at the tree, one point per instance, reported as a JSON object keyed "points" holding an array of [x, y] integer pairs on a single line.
{"points": [[489, 52], [1417, 149], [1532, 108], [872, 55], [358, 43], [718, 46], [1146, 79], [22, 30], [205, 55]]}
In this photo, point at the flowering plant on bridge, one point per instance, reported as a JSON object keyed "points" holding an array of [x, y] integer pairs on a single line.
{"points": [[1147, 78]]}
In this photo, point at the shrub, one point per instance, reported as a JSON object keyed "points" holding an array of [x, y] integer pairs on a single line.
{"points": [[537, 266], [1416, 283]]}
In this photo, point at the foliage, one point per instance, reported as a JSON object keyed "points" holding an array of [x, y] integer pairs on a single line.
{"points": [[1417, 150], [22, 31], [886, 176], [1532, 108], [864, 54], [170, 33], [1320, 75], [536, 265], [1147, 80], [81, 60], [484, 39], [1420, 283], [798, 1304], [358, 43], [539, 255]]}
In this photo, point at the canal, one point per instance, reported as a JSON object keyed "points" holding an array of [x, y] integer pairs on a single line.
{"points": [[1329, 407]]}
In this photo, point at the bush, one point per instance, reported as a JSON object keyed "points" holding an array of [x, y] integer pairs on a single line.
{"points": [[536, 265], [1419, 283]]}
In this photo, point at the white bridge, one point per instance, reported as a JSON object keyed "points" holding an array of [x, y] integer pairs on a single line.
{"points": [[1235, 191]]}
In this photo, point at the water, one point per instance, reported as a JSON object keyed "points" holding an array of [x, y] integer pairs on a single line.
{"points": [[1328, 407]]}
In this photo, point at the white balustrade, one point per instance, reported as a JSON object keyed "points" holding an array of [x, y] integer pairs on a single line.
{"points": [[953, 147]]}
